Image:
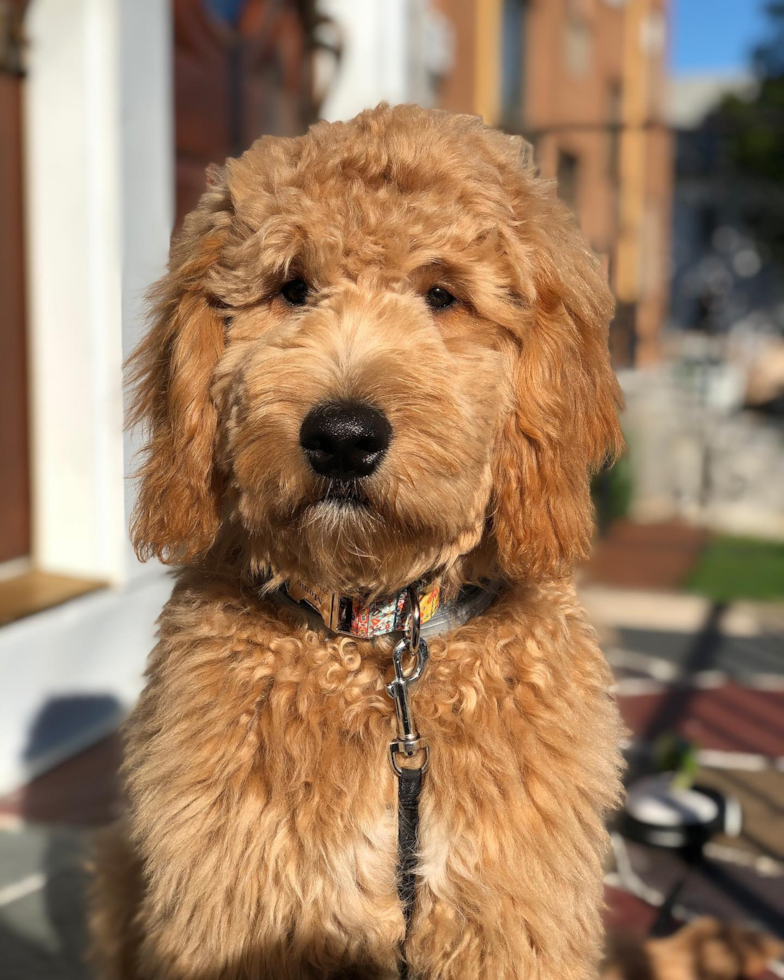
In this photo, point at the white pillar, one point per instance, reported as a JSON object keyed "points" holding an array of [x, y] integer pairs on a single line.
{"points": [[376, 65], [99, 192]]}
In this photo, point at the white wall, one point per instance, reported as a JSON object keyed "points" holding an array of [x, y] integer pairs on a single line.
{"points": [[99, 151], [70, 674], [99, 199]]}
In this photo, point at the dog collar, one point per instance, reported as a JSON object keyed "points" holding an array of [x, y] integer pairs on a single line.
{"points": [[355, 616]]}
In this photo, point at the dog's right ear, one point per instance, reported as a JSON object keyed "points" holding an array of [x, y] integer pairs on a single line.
{"points": [[177, 512]]}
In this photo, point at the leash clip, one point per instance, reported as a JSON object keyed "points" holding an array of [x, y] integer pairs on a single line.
{"points": [[408, 741]]}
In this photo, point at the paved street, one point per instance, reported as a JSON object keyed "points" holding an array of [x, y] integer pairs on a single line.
{"points": [[41, 892], [714, 675]]}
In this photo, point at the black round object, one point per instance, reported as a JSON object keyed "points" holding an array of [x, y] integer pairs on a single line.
{"points": [[684, 836]]}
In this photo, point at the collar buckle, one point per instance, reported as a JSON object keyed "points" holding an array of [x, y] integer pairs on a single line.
{"points": [[350, 616]]}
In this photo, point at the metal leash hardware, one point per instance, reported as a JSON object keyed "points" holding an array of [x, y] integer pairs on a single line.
{"points": [[408, 742], [409, 779]]}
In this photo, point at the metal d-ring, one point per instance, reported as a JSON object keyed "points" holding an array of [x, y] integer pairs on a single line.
{"points": [[414, 624], [408, 741]]}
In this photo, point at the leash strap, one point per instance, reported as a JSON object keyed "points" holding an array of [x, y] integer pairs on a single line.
{"points": [[409, 788], [410, 745]]}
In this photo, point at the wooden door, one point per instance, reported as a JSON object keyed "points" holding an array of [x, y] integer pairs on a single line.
{"points": [[14, 454]]}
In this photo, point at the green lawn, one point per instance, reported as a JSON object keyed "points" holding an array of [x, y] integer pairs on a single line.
{"points": [[739, 568]]}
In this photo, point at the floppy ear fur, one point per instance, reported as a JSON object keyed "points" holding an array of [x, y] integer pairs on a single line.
{"points": [[564, 422], [177, 513]]}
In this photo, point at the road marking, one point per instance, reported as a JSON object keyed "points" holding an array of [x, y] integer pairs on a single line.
{"points": [[656, 667], [714, 758], [21, 889], [764, 866], [747, 761], [666, 673]]}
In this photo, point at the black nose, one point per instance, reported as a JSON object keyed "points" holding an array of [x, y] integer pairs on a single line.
{"points": [[345, 441]]}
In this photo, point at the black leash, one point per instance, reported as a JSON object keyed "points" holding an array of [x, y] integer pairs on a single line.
{"points": [[409, 788], [408, 744]]}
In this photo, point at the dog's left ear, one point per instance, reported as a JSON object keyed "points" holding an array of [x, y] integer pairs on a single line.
{"points": [[177, 513], [563, 424]]}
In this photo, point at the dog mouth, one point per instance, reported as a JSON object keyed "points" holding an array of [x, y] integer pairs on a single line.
{"points": [[345, 494], [332, 504]]}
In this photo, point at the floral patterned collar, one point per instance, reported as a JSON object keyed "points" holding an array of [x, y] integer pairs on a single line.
{"points": [[355, 616]]}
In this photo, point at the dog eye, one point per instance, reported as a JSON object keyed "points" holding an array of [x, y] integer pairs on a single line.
{"points": [[438, 298], [295, 292]]}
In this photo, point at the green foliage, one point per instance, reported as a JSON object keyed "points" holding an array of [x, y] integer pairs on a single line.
{"points": [[675, 754], [612, 490], [755, 133], [740, 568], [769, 56]]}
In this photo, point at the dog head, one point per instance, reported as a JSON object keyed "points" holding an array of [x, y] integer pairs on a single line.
{"points": [[380, 353]]}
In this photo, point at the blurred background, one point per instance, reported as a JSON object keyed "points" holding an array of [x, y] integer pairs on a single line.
{"points": [[663, 123]]}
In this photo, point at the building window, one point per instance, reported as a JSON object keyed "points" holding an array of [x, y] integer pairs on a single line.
{"points": [[228, 10], [708, 223], [578, 42], [568, 175], [614, 120], [513, 59]]}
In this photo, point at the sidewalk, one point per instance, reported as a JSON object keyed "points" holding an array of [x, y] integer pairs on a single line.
{"points": [[715, 675], [646, 556]]}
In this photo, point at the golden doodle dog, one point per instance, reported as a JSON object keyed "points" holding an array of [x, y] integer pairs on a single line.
{"points": [[378, 360]]}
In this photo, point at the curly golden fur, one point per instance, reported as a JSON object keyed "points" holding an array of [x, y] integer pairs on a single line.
{"points": [[260, 839], [705, 949]]}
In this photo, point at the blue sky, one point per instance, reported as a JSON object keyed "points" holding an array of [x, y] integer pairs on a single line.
{"points": [[714, 35]]}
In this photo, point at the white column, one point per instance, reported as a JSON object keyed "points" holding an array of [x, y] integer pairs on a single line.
{"points": [[99, 153], [74, 282], [375, 66]]}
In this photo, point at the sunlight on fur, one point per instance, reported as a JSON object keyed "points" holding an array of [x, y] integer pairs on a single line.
{"points": [[260, 838]]}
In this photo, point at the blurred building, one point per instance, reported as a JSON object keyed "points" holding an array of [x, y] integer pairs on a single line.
{"points": [[585, 82], [594, 106], [721, 280], [705, 432]]}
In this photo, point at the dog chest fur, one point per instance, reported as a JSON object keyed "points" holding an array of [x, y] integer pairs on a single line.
{"points": [[266, 746]]}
